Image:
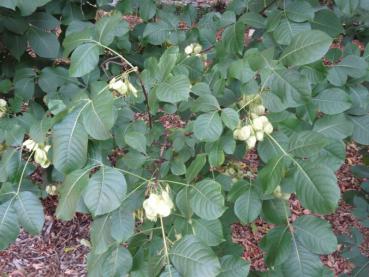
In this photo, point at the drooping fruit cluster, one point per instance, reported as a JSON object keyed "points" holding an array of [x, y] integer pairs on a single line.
{"points": [[158, 205], [195, 49], [40, 152], [254, 131], [237, 171], [51, 190], [122, 86]]}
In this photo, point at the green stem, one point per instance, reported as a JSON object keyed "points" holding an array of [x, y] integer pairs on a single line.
{"points": [[166, 253], [24, 170]]}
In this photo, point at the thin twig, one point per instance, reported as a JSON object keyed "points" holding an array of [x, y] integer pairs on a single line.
{"points": [[267, 7], [146, 97]]}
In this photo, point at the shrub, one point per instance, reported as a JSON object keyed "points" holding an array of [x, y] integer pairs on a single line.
{"points": [[143, 125]]}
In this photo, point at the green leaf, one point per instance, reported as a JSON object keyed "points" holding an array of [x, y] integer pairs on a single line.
{"points": [[174, 90], [209, 231], [136, 140], [105, 191], [207, 200], [5, 85], [123, 224], [361, 130], [230, 118], [351, 65], [315, 234], [28, 7], [183, 202], [247, 207], [30, 212], [253, 19], [205, 103], [208, 127], [10, 4], [167, 62], [216, 154], [147, 9], [275, 211], [73, 40], [287, 30], [277, 245], [16, 44], [195, 167], [233, 266], [98, 118], [25, 88], [306, 47], [299, 12], [241, 70], [291, 86], [45, 45], [100, 234], [105, 28], [334, 126], [333, 101], [177, 167], [117, 263], [306, 143], [70, 193], [44, 21], [191, 257], [326, 21], [333, 155], [316, 187], [271, 175], [53, 77], [157, 33], [70, 143], [84, 59], [9, 228], [302, 263]]}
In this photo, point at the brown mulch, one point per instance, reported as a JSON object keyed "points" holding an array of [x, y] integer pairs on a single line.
{"points": [[57, 251]]}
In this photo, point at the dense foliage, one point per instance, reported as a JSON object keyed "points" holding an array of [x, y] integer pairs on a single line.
{"points": [[142, 126]]}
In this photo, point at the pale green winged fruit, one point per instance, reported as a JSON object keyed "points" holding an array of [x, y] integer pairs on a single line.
{"points": [[259, 123], [242, 133], [29, 144], [118, 86], [41, 156], [131, 88], [197, 48], [149, 206], [189, 49], [51, 190], [3, 107], [158, 205], [259, 135], [278, 193], [258, 109], [268, 128], [251, 142], [40, 152]]}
